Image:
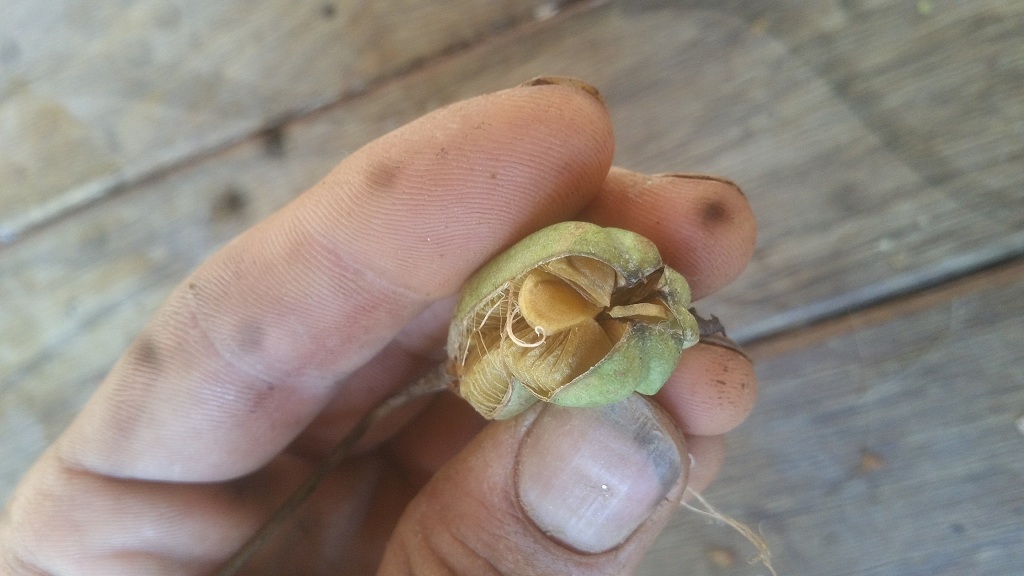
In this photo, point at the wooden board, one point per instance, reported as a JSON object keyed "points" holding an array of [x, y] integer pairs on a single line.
{"points": [[891, 449], [816, 108], [94, 96], [912, 177]]}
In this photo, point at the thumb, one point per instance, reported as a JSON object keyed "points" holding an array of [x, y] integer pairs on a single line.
{"points": [[553, 491]]}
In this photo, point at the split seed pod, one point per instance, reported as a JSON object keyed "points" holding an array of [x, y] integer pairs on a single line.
{"points": [[574, 314]]}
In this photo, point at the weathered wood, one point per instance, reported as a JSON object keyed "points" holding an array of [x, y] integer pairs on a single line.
{"points": [[858, 131], [912, 177], [94, 96], [889, 450], [890, 310]]}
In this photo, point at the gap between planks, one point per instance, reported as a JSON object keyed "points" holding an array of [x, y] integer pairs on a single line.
{"points": [[794, 338], [131, 177]]}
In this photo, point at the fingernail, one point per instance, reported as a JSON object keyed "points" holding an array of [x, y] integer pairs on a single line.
{"points": [[566, 81], [702, 177], [589, 477]]}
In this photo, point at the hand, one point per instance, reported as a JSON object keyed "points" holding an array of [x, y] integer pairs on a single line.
{"points": [[272, 350]]}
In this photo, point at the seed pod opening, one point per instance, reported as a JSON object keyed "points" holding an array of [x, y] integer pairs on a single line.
{"points": [[574, 314]]}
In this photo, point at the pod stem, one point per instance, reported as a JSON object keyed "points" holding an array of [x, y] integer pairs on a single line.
{"points": [[712, 332], [437, 380]]}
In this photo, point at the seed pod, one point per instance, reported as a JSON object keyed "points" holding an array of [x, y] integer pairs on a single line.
{"points": [[574, 314]]}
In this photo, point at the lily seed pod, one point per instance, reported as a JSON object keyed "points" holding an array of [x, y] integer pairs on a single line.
{"points": [[574, 314]]}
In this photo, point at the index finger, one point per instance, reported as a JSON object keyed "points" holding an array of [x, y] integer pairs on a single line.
{"points": [[249, 348]]}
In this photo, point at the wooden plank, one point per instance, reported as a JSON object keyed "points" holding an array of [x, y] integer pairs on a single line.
{"points": [[892, 449], [806, 336], [914, 178], [842, 214], [95, 96]]}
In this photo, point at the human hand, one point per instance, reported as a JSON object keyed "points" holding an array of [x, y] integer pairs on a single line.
{"points": [[272, 350]]}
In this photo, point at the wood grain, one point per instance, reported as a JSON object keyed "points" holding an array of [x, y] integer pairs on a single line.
{"points": [[880, 147], [888, 450], [901, 185], [888, 311], [94, 96]]}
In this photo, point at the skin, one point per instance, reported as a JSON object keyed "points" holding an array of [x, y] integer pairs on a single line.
{"points": [[276, 346]]}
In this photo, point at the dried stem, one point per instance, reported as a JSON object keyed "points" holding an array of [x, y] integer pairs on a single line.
{"points": [[712, 332], [436, 380], [764, 555]]}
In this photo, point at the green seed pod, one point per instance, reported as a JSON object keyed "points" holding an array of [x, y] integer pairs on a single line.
{"points": [[574, 314]]}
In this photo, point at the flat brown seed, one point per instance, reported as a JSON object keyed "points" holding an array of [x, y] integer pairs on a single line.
{"points": [[642, 310], [551, 305], [614, 328], [592, 278], [561, 358]]}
